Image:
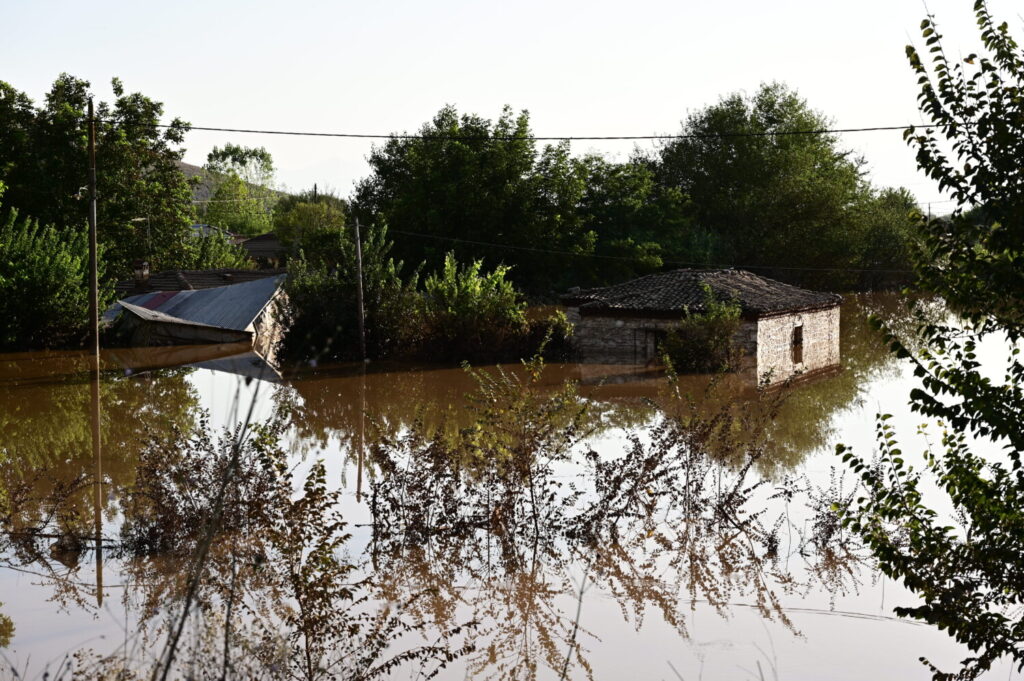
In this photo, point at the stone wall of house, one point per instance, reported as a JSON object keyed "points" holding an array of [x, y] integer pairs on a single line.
{"points": [[632, 340], [269, 327], [775, 351]]}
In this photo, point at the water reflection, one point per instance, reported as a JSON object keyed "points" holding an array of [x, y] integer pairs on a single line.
{"points": [[333, 404], [489, 523]]}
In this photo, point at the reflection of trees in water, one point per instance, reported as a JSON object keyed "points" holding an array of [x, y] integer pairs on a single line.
{"points": [[45, 423], [478, 544], [338, 402], [488, 527], [47, 467], [474, 519]]}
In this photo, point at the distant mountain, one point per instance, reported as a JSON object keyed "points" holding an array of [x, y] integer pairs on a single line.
{"points": [[203, 190], [206, 186]]}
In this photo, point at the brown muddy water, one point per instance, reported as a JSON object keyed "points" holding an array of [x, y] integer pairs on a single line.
{"points": [[378, 524]]}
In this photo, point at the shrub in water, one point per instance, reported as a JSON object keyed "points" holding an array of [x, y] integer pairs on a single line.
{"points": [[469, 314], [702, 342]]}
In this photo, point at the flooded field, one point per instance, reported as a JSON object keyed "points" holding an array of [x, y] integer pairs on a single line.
{"points": [[569, 521]]}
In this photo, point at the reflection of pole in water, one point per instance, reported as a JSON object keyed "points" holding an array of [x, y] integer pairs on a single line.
{"points": [[362, 433], [94, 322], [97, 476]]}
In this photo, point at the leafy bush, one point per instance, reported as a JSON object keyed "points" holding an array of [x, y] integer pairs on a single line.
{"points": [[298, 218], [44, 294], [466, 314], [703, 342], [322, 306], [549, 337]]}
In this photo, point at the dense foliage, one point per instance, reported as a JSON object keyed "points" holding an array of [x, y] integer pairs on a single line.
{"points": [[321, 290], [243, 199], [211, 251], [460, 313], [298, 217], [44, 274], [483, 190], [969, 577], [466, 312], [771, 200], [739, 189], [145, 204], [704, 342]]}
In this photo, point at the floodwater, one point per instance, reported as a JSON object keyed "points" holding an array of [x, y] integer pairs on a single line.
{"points": [[376, 523]]}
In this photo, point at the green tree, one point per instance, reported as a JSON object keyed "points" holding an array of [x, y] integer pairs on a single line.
{"points": [[887, 223], [298, 217], [44, 162], [238, 208], [212, 251], [466, 183], [703, 342], [468, 313], [637, 222], [970, 579], [244, 198], [770, 198]]}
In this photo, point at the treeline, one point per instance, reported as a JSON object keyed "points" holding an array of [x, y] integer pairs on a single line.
{"points": [[734, 189]]}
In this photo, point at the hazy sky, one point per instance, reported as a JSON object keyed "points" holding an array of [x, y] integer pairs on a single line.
{"points": [[581, 68]]}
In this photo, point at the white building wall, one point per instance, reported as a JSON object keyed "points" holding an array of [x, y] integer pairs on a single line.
{"points": [[775, 356]]}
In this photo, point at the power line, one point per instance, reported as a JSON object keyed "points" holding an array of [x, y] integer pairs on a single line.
{"points": [[536, 138], [681, 263]]}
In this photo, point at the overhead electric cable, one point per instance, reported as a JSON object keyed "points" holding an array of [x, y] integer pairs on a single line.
{"points": [[536, 138]]}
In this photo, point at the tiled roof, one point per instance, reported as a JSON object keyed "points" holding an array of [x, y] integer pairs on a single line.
{"points": [[189, 280], [679, 291]]}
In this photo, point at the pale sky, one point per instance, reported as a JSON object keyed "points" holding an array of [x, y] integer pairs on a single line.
{"points": [[581, 68]]}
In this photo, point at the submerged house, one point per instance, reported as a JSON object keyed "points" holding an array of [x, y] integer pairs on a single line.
{"points": [[194, 312], [266, 250], [785, 330]]}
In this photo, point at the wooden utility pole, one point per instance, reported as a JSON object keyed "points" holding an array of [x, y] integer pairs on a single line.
{"points": [[359, 293], [94, 304]]}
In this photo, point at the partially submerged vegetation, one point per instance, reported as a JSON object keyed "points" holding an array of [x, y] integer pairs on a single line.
{"points": [[44, 276], [241, 566], [480, 190], [705, 342], [459, 313]]}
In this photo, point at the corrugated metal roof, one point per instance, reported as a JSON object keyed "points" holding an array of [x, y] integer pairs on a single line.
{"points": [[225, 307]]}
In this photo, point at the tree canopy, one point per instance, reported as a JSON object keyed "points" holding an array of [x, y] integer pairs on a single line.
{"points": [[768, 196], [244, 197], [145, 204]]}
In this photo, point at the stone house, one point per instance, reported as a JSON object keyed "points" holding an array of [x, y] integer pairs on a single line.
{"points": [[785, 330]]}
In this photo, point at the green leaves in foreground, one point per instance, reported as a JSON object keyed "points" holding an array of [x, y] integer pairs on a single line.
{"points": [[969, 577]]}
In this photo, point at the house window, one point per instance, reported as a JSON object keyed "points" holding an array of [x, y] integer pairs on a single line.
{"points": [[798, 345], [647, 344]]}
